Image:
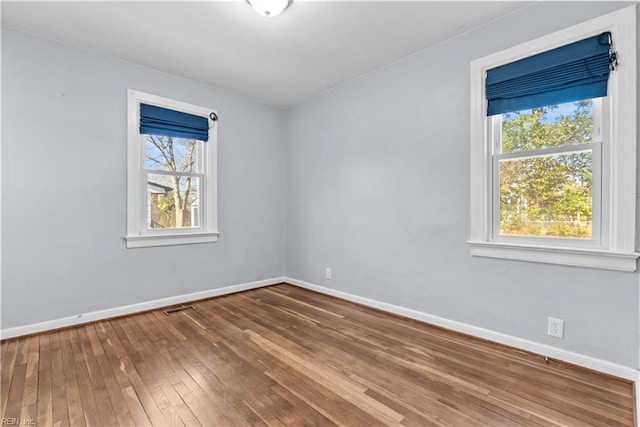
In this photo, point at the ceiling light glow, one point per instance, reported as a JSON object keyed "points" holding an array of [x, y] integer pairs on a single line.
{"points": [[269, 8]]}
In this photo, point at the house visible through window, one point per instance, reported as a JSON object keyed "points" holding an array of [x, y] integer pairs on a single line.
{"points": [[171, 172], [173, 181]]}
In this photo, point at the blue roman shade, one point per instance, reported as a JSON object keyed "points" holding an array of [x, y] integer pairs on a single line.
{"points": [[163, 121], [569, 73]]}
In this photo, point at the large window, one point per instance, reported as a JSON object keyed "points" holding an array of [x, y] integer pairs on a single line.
{"points": [[171, 181], [553, 173], [548, 174]]}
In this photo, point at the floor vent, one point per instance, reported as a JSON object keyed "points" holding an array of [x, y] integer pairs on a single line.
{"points": [[179, 309]]}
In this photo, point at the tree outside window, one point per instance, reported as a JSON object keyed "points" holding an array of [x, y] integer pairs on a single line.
{"points": [[545, 192]]}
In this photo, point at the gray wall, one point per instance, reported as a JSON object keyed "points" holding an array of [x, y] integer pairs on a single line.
{"points": [[377, 187], [64, 187], [372, 180]]}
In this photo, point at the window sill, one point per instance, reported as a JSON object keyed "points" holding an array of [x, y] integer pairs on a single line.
{"points": [[170, 239], [556, 255]]}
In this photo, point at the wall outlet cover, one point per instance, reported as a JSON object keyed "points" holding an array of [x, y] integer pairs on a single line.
{"points": [[555, 328]]}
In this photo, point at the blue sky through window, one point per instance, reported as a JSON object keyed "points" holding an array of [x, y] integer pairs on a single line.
{"points": [[158, 152], [553, 113]]}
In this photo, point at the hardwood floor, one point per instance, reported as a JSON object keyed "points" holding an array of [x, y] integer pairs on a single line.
{"points": [[287, 356]]}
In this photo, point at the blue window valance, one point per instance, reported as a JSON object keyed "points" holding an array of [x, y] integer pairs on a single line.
{"points": [[569, 73], [163, 121]]}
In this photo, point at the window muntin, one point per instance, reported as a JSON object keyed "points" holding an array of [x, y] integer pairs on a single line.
{"points": [[546, 165]]}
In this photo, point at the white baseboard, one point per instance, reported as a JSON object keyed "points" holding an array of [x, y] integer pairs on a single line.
{"points": [[520, 343], [534, 347], [130, 309]]}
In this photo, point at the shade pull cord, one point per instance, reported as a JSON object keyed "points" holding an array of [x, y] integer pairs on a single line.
{"points": [[213, 116], [613, 55]]}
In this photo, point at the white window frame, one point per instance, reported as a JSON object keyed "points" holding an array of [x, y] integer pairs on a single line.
{"points": [[600, 179], [614, 246], [138, 234]]}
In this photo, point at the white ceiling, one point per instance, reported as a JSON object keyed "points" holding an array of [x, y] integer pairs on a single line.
{"points": [[312, 47]]}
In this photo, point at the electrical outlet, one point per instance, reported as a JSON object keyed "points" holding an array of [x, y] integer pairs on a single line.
{"points": [[555, 328], [327, 273]]}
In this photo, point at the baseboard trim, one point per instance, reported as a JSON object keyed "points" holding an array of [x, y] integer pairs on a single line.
{"points": [[520, 343], [94, 316], [532, 346]]}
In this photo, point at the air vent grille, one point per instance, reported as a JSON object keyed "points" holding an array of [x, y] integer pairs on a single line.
{"points": [[180, 309]]}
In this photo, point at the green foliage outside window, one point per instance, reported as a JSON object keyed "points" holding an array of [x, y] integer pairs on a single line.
{"points": [[551, 194]]}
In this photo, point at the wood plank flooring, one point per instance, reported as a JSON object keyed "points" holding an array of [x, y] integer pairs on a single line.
{"points": [[284, 356]]}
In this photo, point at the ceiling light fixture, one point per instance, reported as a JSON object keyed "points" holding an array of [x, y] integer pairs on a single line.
{"points": [[270, 8]]}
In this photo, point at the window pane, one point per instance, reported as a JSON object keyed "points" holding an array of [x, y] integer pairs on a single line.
{"points": [[547, 196], [171, 154], [551, 126], [172, 201]]}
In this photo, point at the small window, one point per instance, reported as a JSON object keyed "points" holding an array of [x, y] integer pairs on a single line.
{"points": [[553, 148], [171, 182]]}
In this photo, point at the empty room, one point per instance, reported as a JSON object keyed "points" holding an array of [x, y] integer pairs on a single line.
{"points": [[319, 213]]}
